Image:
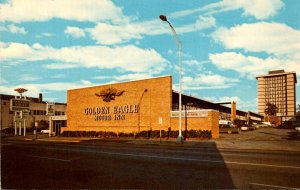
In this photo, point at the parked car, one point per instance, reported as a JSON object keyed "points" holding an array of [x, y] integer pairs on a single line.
{"points": [[298, 130], [251, 127], [244, 128], [257, 126], [45, 131], [225, 128]]}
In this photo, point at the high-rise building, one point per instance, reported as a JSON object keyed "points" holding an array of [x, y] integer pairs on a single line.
{"points": [[277, 88]]}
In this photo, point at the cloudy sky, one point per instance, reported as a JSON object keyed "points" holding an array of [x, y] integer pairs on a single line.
{"points": [[50, 46]]}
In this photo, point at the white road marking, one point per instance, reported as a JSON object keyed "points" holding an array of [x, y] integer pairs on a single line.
{"points": [[51, 158], [57, 140], [272, 186], [174, 158], [182, 159], [5, 144]]}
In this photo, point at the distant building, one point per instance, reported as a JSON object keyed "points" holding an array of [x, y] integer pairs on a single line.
{"points": [[37, 112], [278, 88]]}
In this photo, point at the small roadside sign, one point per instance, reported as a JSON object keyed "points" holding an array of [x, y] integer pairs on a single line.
{"points": [[160, 120]]}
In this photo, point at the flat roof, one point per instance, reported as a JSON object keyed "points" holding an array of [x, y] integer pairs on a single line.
{"points": [[239, 112], [35, 100], [273, 74], [106, 84]]}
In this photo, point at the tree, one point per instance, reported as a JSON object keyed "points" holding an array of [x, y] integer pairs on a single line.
{"points": [[271, 109], [298, 109], [237, 122]]}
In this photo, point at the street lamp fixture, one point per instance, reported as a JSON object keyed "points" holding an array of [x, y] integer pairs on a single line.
{"points": [[164, 18]]}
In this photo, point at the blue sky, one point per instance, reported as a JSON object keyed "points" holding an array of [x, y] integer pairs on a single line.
{"points": [[50, 46]]}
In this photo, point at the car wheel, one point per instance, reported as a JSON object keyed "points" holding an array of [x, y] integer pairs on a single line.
{"points": [[229, 132]]}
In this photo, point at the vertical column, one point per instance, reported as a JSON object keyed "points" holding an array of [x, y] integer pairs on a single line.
{"points": [[20, 128], [233, 111], [15, 128], [15, 123], [24, 127], [50, 126]]}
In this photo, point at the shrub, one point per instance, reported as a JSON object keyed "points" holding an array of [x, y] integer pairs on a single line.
{"points": [[143, 134]]}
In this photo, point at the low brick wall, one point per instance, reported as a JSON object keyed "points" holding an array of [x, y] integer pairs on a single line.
{"points": [[211, 123]]}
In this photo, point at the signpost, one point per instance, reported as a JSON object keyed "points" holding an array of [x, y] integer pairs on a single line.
{"points": [[36, 125], [160, 122], [50, 108], [50, 112], [21, 107]]}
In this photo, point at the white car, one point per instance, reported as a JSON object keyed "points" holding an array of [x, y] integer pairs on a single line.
{"points": [[45, 131], [244, 128]]}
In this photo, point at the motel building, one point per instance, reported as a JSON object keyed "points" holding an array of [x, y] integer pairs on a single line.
{"points": [[21, 114], [145, 105]]}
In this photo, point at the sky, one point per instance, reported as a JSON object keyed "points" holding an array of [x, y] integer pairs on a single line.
{"points": [[50, 46]]}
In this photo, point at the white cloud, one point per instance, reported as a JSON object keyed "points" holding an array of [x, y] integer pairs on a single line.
{"points": [[222, 99], [251, 66], [27, 77], [105, 33], [200, 24], [195, 63], [279, 41], [75, 32], [113, 34], [42, 35], [261, 9], [208, 81], [256, 8], [127, 58], [102, 77], [272, 38], [58, 76], [62, 65], [79, 10], [2, 80], [229, 99], [132, 76], [13, 29], [241, 104], [35, 88], [15, 51], [86, 82]]}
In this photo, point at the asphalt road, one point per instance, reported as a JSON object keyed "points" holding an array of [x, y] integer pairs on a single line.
{"points": [[98, 165]]}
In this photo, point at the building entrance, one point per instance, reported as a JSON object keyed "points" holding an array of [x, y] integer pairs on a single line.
{"points": [[56, 123], [57, 127]]}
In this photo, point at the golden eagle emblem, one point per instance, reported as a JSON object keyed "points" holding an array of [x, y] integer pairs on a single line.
{"points": [[109, 94]]}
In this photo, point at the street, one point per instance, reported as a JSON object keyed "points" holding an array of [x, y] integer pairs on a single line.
{"points": [[96, 165]]}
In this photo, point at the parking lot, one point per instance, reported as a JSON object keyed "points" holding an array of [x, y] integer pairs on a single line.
{"points": [[262, 134]]}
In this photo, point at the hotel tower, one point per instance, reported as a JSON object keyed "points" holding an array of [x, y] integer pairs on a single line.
{"points": [[278, 88]]}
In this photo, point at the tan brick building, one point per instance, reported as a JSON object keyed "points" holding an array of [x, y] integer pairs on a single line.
{"points": [[277, 87], [132, 107]]}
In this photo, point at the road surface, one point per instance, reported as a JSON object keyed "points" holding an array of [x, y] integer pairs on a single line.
{"points": [[96, 165]]}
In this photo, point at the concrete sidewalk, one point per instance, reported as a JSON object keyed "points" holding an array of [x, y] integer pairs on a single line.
{"points": [[279, 145]]}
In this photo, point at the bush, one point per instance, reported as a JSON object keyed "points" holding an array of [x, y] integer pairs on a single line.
{"points": [[143, 134]]}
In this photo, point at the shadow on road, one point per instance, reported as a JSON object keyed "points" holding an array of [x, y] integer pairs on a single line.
{"points": [[106, 166], [294, 135]]}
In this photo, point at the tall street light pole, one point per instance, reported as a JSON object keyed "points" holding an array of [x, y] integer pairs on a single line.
{"points": [[164, 18]]}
